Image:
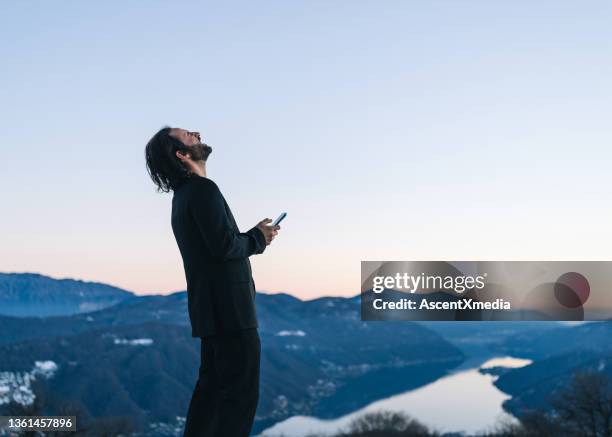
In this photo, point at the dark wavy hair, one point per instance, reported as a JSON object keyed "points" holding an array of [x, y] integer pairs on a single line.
{"points": [[165, 169]]}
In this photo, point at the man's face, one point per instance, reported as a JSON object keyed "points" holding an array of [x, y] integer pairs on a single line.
{"points": [[198, 150]]}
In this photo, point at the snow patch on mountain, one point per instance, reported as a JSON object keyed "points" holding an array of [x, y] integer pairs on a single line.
{"points": [[298, 333], [17, 386], [134, 341]]}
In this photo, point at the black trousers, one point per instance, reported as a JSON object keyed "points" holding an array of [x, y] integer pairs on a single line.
{"points": [[225, 397]]}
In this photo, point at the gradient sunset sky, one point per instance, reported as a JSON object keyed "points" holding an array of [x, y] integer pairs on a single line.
{"points": [[388, 130]]}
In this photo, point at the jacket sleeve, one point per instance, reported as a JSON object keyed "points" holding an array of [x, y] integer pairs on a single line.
{"points": [[224, 242]]}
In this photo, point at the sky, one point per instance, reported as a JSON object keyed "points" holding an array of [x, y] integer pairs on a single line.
{"points": [[387, 130]]}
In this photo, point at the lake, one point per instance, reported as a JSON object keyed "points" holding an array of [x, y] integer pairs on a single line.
{"points": [[464, 400]]}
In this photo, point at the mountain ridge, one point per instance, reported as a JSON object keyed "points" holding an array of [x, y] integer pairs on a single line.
{"points": [[34, 294]]}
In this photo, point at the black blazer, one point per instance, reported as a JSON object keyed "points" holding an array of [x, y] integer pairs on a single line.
{"points": [[220, 286]]}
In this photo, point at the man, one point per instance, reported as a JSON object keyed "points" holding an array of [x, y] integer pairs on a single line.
{"points": [[220, 286]]}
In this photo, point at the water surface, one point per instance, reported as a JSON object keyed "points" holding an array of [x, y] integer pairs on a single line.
{"points": [[462, 401]]}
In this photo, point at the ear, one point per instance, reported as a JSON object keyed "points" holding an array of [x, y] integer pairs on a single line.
{"points": [[182, 157]]}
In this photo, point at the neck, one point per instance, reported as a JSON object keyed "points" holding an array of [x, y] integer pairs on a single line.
{"points": [[199, 168]]}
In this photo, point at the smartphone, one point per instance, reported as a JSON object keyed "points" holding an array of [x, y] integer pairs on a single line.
{"points": [[279, 219]]}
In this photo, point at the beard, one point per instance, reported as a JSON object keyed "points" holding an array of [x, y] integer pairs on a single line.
{"points": [[200, 152]]}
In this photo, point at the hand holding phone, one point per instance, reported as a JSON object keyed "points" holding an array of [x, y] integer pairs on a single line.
{"points": [[270, 230]]}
